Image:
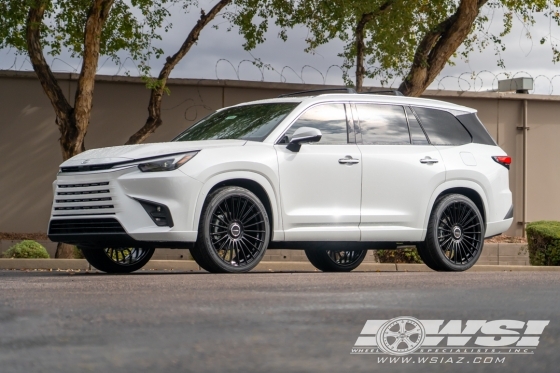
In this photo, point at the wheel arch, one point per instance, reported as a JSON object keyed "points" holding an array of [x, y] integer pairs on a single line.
{"points": [[253, 182], [469, 193], [471, 190]]}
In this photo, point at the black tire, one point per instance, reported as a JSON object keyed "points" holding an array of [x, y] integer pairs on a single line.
{"points": [[335, 260], [233, 233], [455, 235], [425, 256], [117, 260]]}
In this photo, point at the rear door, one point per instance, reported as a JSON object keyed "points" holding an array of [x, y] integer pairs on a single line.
{"points": [[320, 185], [452, 140], [400, 172]]}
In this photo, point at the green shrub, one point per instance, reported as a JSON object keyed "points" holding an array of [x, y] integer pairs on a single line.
{"points": [[27, 249], [78, 253], [405, 255], [543, 238]]}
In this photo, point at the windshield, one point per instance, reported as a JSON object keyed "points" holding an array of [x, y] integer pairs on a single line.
{"points": [[248, 122]]}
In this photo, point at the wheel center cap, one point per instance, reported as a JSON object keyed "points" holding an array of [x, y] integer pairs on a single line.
{"points": [[457, 232], [235, 230]]}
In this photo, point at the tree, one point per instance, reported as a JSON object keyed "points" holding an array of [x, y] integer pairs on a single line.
{"points": [[158, 86], [400, 39], [86, 28]]}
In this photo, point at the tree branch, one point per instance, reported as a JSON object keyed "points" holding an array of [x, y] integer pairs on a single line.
{"points": [[154, 107], [360, 45], [50, 85], [438, 46]]}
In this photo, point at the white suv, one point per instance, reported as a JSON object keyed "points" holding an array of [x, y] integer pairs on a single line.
{"points": [[334, 174]]}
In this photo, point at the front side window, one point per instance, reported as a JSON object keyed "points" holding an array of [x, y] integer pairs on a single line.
{"points": [[330, 119], [248, 122], [442, 127], [383, 124]]}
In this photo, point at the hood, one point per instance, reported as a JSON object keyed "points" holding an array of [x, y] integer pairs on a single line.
{"points": [[132, 152]]}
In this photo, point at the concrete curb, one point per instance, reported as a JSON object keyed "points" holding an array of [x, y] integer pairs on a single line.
{"points": [[191, 266]]}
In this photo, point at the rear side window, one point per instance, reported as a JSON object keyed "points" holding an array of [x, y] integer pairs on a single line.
{"points": [[330, 119], [417, 136], [383, 124], [476, 128], [442, 127]]}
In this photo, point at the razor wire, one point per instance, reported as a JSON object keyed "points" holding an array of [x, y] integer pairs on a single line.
{"points": [[248, 69]]}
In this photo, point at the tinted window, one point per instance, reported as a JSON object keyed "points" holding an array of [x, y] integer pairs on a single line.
{"points": [[442, 127], [417, 136], [383, 124], [330, 119], [476, 128], [248, 122]]}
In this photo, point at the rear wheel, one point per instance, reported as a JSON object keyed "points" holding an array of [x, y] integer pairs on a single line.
{"points": [[233, 233], [118, 260], [335, 260], [455, 235]]}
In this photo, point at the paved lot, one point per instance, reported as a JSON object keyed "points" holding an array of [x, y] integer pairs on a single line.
{"points": [[257, 322]]}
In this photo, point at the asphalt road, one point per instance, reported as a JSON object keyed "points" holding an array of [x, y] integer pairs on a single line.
{"points": [[257, 322]]}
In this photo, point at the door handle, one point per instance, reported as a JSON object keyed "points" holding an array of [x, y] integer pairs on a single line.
{"points": [[428, 160], [348, 160]]}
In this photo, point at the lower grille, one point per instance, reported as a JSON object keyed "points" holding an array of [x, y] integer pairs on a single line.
{"points": [[92, 198], [85, 226]]}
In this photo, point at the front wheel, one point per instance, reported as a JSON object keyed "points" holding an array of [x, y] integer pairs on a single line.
{"points": [[335, 260], [455, 235], [118, 260], [233, 233]]}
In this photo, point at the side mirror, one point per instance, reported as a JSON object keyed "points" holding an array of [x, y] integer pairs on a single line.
{"points": [[304, 134]]}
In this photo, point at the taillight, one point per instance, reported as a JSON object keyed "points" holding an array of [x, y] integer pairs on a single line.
{"points": [[504, 160]]}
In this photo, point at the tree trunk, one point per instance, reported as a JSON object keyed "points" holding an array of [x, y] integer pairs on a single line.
{"points": [[72, 122], [438, 46], [64, 251], [154, 107], [96, 18], [360, 45]]}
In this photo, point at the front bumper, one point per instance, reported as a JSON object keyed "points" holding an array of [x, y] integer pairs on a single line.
{"points": [[103, 208]]}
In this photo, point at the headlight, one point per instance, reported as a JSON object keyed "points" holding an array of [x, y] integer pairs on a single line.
{"points": [[168, 163]]}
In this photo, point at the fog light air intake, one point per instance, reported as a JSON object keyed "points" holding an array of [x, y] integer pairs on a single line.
{"points": [[159, 213]]}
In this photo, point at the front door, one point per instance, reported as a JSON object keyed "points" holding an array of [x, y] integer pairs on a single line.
{"points": [[400, 172], [320, 185]]}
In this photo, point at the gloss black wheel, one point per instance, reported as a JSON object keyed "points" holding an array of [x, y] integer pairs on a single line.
{"points": [[335, 260], [118, 259], [234, 231], [455, 234]]}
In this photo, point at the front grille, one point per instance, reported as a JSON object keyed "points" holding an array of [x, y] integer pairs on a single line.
{"points": [[83, 200], [83, 192], [86, 185], [84, 208], [85, 226], [93, 198]]}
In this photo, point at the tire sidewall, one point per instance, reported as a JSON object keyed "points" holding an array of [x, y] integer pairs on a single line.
{"points": [[214, 201], [437, 253]]}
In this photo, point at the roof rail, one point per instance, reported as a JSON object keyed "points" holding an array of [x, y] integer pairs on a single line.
{"points": [[347, 90], [393, 92]]}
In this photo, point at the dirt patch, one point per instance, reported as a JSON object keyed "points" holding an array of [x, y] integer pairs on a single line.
{"points": [[506, 239], [12, 236]]}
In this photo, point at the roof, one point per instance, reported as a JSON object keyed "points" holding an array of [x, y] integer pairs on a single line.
{"points": [[373, 98]]}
